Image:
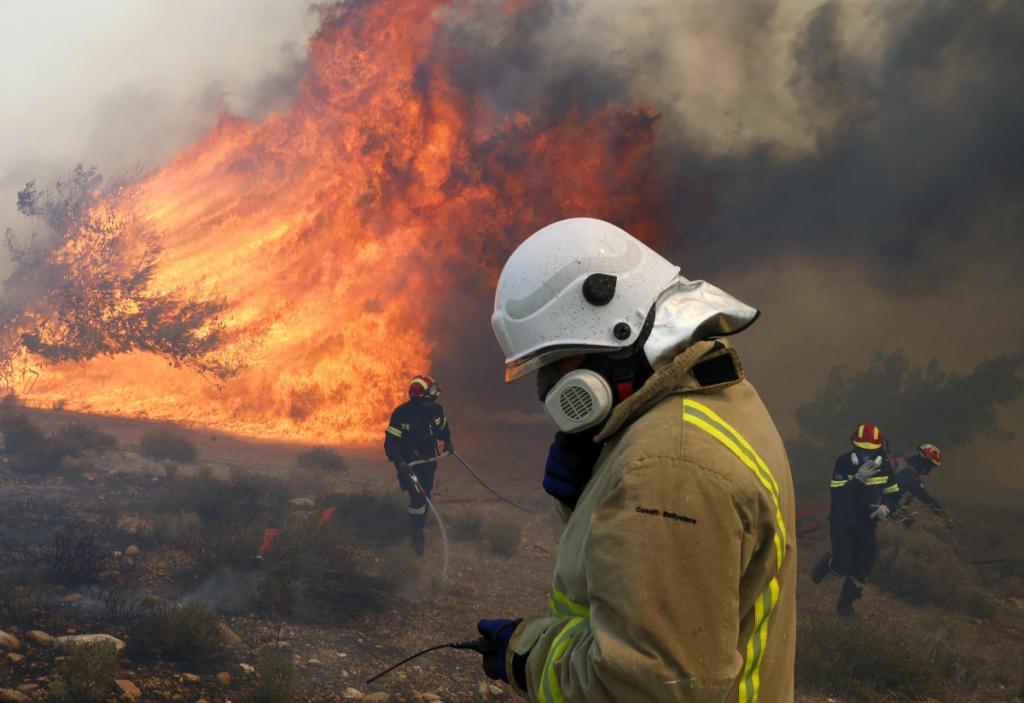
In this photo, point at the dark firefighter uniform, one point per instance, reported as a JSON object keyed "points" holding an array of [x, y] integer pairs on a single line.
{"points": [[854, 515], [415, 428], [909, 471]]}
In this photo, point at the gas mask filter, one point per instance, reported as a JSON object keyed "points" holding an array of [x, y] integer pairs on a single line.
{"points": [[581, 399]]}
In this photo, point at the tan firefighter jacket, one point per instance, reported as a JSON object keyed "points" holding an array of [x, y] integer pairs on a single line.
{"points": [[676, 573]]}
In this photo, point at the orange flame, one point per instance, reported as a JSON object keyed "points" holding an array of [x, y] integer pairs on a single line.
{"points": [[336, 231]]}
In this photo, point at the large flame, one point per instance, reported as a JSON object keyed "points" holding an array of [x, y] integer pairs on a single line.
{"points": [[335, 232]]}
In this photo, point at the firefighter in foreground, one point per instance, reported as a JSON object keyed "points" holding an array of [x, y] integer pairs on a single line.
{"points": [[415, 429], [863, 494], [675, 574], [909, 472]]}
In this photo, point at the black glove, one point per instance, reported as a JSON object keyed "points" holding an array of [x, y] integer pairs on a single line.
{"points": [[404, 479], [498, 633], [449, 448], [570, 463]]}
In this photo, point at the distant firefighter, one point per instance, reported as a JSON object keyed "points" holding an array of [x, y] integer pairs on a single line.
{"points": [[416, 427], [863, 491], [910, 472]]}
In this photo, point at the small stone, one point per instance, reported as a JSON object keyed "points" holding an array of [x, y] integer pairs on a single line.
{"points": [[303, 502], [202, 700], [9, 641], [130, 690], [61, 644], [9, 695], [39, 637], [133, 551], [192, 678], [378, 697], [228, 636], [26, 687], [432, 698], [224, 678], [15, 657], [72, 598], [352, 694], [247, 668], [496, 690], [314, 662]]}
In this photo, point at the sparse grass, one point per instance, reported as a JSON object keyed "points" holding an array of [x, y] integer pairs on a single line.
{"points": [[322, 458], [241, 500], [121, 605], [87, 675], [187, 632], [180, 530], [279, 682], [17, 602], [467, 526], [378, 519], [917, 567], [502, 536], [870, 662], [74, 558], [164, 445]]}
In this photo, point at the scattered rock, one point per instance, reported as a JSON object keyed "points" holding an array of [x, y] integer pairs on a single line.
{"points": [[314, 662], [378, 697], [302, 502], [228, 636], [133, 551], [39, 637], [9, 695], [432, 698], [483, 689], [247, 668], [26, 687], [128, 689], [61, 644], [9, 641], [72, 598], [202, 700], [192, 678], [15, 657], [224, 678], [352, 694]]}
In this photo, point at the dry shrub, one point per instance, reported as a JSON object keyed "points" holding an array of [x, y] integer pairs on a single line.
{"points": [[917, 567], [81, 437], [74, 558], [18, 605], [187, 632], [181, 530], [868, 662], [467, 526], [322, 458], [502, 536], [87, 675], [229, 545], [377, 519], [279, 682], [20, 433], [244, 499], [164, 445]]}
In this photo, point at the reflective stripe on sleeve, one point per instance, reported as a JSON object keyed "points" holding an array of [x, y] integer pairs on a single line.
{"points": [[709, 421], [393, 431], [562, 606], [839, 484], [876, 481], [550, 690], [894, 488]]}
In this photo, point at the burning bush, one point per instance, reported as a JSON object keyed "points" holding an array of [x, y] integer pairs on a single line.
{"points": [[79, 437], [188, 632], [164, 445], [917, 567], [322, 458], [378, 519], [74, 558], [861, 661], [87, 675], [278, 680], [502, 536]]}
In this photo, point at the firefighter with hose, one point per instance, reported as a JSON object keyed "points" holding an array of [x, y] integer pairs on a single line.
{"points": [[675, 575], [415, 429], [863, 493], [910, 472]]}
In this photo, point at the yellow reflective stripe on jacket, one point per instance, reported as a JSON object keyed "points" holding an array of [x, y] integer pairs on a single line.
{"points": [[709, 421], [417, 511], [562, 606], [393, 430], [876, 481], [839, 484], [550, 690], [894, 488]]}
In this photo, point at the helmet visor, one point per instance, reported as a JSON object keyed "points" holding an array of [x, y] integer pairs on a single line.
{"points": [[519, 368]]}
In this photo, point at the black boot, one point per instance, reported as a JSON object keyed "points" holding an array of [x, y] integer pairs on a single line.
{"points": [[850, 593], [822, 568], [416, 534]]}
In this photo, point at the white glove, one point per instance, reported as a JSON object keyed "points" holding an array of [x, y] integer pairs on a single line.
{"points": [[881, 513], [868, 469]]}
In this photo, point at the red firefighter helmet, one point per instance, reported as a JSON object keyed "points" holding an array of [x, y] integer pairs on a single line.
{"points": [[867, 437], [424, 387], [931, 452]]}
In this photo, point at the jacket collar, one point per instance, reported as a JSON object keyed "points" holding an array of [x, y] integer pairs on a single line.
{"points": [[705, 367]]}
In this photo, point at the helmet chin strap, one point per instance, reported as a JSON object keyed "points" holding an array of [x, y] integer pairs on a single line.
{"points": [[627, 370]]}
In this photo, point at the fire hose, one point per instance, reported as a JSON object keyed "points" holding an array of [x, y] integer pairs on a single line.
{"points": [[474, 475], [482, 646], [437, 516]]}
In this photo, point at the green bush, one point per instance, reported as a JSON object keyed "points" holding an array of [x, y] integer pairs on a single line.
{"points": [[377, 519], [187, 632], [322, 458], [467, 526], [79, 436], [502, 536], [865, 661], [278, 680], [87, 675], [164, 445]]}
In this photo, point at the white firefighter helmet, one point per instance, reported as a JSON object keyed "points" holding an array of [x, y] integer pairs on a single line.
{"points": [[576, 286]]}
